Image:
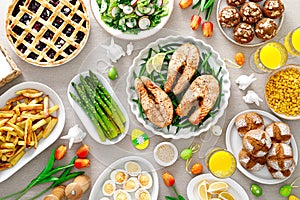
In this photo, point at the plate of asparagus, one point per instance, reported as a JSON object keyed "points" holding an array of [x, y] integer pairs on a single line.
{"points": [[98, 107]]}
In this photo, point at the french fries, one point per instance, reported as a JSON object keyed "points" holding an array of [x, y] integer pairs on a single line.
{"points": [[24, 120]]}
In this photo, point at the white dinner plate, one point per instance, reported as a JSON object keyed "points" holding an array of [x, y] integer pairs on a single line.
{"points": [[43, 143], [126, 36], [96, 192], [234, 188], [85, 118], [234, 144], [215, 61], [228, 32]]}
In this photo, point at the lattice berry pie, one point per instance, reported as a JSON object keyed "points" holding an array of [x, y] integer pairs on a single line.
{"points": [[47, 32]]}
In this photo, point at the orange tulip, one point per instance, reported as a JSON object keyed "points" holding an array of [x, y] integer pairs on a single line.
{"points": [[60, 152], [207, 29], [195, 22], [185, 3], [168, 179]]}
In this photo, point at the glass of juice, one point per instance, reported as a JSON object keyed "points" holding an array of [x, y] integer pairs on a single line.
{"points": [[292, 42], [221, 163], [269, 57]]}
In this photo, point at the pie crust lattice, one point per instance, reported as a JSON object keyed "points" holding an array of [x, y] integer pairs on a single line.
{"points": [[47, 32]]}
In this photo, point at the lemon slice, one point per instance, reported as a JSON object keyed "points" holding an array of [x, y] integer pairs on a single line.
{"points": [[157, 61], [202, 190], [217, 187], [226, 196], [149, 65]]}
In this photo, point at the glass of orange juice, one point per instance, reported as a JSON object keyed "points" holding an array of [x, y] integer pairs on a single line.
{"points": [[269, 57], [221, 163], [292, 42]]}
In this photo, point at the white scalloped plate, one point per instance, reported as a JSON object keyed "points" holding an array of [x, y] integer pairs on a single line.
{"points": [[96, 192], [85, 118], [234, 144], [234, 188], [215, 61], [126, 36], [43, 143]]}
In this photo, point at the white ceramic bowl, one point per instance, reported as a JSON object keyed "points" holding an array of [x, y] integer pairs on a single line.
{"points": [[161, 162]]}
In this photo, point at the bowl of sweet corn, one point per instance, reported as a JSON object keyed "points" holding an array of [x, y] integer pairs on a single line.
{"points": [[282, 92]]}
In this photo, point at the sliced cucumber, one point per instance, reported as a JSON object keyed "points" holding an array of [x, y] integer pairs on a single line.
{"points": [[131, 23], [115, 11], [144, 10], [103, 7], [127, 9], [144, 23]]}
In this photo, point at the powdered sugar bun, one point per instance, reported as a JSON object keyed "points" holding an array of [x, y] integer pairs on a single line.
{"points": [[248, 121], [250, 162], [279, 132], [257, 142], [280, 156]]}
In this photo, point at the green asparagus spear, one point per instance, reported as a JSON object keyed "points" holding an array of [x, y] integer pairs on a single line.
{"points": [[115, 116], [108, 96], [111, 128], [91, 116]]}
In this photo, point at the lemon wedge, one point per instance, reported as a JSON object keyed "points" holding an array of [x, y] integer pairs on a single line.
{"points": [[149, 66], [226, 196], [217, 187], [202, 190], [157, 61]]}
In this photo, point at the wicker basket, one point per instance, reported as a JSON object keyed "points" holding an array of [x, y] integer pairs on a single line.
{"points": [[15, 71]]}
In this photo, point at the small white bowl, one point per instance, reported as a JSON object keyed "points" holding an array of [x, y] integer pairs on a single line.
{"points": [[162, 149]]}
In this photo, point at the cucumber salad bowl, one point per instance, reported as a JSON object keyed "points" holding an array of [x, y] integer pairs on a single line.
{"points": [[132, 19]]}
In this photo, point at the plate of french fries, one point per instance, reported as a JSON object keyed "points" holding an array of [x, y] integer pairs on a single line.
{"points": [[32, 117]]}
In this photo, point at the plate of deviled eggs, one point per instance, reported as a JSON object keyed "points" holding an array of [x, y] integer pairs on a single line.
{"points": [[128, 178]]}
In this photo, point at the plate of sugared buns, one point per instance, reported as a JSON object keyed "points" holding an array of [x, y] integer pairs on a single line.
{"points": [[264, 146], [250, 22]]}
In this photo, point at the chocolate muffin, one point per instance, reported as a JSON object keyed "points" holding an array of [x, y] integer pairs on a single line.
{"points": [[229, 17], [273, 9], [251, 13], [266, 29], [235, 2], [250, 162], [257, 142], [243, 33]]}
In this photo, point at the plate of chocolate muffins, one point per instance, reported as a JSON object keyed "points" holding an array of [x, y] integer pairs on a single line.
{"points": [[263, 146], [250, 23]]}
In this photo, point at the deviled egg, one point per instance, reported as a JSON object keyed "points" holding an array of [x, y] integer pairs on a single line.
{"points": [[142, 194], [108, 188], [104, 198], [119, 176], [122, 195], [131, 185], [132, 168], [145, 180]]}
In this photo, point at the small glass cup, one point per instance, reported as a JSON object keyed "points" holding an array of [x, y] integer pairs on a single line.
{"points": [[292, 42], [269, 57], [221, 163]]}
